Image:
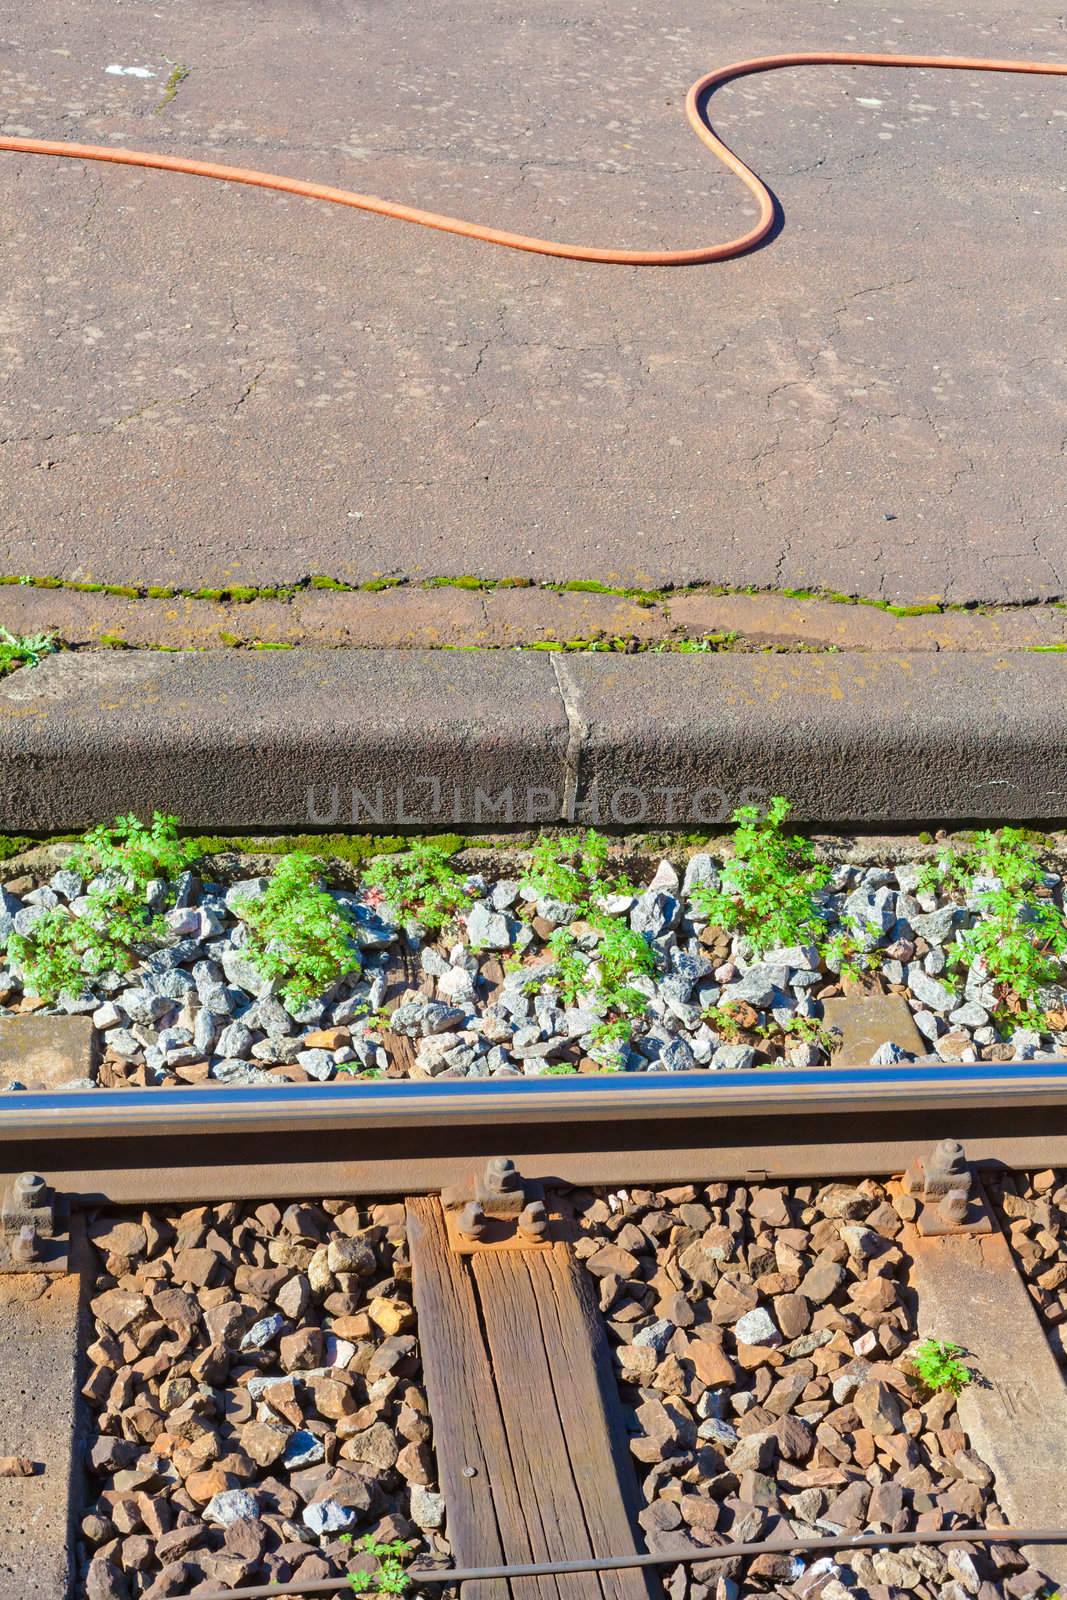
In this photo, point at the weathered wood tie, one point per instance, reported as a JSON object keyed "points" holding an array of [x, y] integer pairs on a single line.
{"points": [[521, 1390]]}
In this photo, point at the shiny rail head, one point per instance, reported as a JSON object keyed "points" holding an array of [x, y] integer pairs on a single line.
{"points": [[792, 1091]]}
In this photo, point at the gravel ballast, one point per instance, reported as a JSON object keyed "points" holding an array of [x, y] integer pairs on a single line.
{"points": [[482, 999], [255, 1391], [762, 1339]]}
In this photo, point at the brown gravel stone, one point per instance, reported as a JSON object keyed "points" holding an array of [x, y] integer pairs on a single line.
{"points": [[827, 1427], [184, 1414], [196, 1267]]}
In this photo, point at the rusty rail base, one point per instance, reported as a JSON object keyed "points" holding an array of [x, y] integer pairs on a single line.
{"points": [[164, 1145]]}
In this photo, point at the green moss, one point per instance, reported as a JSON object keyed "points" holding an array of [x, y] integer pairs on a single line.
{"points": [[179, 73], [112, 641], [13, 845], [643, 597], [271, 644], [321, 580], [350, 848], [243, 593], [229, 639], [465, 581], [1048, 649]]}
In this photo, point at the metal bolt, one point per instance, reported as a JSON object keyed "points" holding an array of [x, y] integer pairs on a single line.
{"points": [[949, 1157], [501, 1176], [471, 1223], [953, 1205], [24, 1247], [470, 1472], [533, 1220], [29, 1190]]}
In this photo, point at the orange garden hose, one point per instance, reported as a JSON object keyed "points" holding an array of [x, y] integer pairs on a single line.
{"points": [[694, 101]]}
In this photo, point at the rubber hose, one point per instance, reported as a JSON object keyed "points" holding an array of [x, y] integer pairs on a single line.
{"points": [[694, 102]]}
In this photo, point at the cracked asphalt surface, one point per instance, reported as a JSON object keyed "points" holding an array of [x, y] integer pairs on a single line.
{"points": [[202, 385]]}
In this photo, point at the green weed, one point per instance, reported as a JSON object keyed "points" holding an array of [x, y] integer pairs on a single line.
{"points": [[570, 867], [298, 935], [24, 650], [1021, 937], [939, 1367], [116, 924], [388, 1576], [179, 73], [421, 884], [769, 885]]}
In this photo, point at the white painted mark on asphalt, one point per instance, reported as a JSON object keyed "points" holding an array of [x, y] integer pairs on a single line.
{"points": [[860, 100], [118, 71]]}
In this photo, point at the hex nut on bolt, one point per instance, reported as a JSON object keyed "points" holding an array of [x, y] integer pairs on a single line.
{"points": [[501, 1176], [533, 1220], [471, 1223], [953, 1206], [29, 1188]]}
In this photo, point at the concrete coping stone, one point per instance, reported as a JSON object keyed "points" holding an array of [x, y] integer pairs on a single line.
{"points": [[442, 739]]}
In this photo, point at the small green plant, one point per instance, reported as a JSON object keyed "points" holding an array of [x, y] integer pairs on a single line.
{"points": [[939, 1367], [24, 650], [570, 867], [1020, 938], [606, 1039], [724, 1021], [421, 883], [605, 973], [768, 887], [844, 953], [297, 933], [116, 924], [376, 1021], [389, 1576], [130, 848], [809, 1030]]}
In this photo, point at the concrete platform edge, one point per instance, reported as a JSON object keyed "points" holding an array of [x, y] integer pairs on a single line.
{"points": [[373, 739]]}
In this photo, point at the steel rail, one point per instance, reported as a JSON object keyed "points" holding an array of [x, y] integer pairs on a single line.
{"points": [[793, 1092], [130, 1146], [669, 1558]]}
